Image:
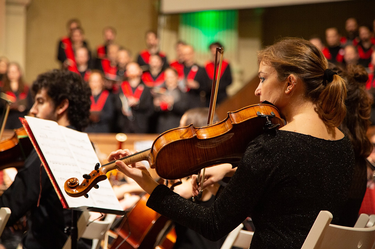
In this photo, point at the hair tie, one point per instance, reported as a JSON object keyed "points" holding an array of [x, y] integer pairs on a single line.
{"points": [[328, 76]]}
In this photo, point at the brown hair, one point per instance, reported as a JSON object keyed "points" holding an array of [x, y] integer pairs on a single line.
{"points": [[358, 104], [198, 117], [301, 58], [6, 81]]}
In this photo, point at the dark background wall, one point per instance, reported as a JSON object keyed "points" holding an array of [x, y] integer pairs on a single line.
{"points": [[312, 19]]}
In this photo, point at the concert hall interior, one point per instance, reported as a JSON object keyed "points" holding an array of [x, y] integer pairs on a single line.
{"points": [[133, 71]]}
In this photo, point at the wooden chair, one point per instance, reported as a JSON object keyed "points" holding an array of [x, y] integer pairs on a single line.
{"points": [[238, 238], [4, 217], [324, 235]]}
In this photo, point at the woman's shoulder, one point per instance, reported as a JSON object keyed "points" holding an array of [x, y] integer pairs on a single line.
{"points": [[280, 140]]}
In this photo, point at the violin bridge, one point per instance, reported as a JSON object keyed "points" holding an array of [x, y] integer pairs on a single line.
{"points": [[268, 125]]}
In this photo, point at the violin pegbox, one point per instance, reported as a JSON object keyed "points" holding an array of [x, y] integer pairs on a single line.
{"points": [[268, 125], [74, 189]]}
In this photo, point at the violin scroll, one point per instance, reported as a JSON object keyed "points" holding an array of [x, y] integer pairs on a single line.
{"points": [[74, 189]]}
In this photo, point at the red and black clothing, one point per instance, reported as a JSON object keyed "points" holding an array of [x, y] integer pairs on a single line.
{"points": [[334, 54], [196, 97], [371, 81], [225, 78], [349, 41], [365, 54], [65, 51], [102, 107], [144, 58], [168, 117], [18, 98], [137, 117], [101, 51], [109, 70], [179, 66], [151, 80]]}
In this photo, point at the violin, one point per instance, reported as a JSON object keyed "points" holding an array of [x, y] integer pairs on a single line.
{"points": [[14, 150], [181, 152]]}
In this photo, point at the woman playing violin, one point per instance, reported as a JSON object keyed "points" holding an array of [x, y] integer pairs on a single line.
{"points": [[286, 176]]}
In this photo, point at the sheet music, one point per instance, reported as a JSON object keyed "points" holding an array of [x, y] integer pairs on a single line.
{"points": [[69, 153]]}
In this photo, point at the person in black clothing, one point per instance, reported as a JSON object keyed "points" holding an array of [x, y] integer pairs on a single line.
{"points": [[136, 102], [196, 81], [18, 93], [225, 75], [286, 175], [152, 43], [351, 28], [365, 46], [102, 105], [170, 102], [335, 51], [68, 44], [84, 63], [355, 126], [109, 35], [63, 97]]}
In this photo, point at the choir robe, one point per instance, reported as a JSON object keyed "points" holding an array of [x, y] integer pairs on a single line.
{"points": [[140, 114], [144, 57], [225, 78], [103, 107], [196, 97]]}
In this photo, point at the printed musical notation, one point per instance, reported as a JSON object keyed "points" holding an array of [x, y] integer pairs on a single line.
{"points": [[70, 153]]}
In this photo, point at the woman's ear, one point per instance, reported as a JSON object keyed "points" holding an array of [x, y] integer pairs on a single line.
{"points": [[291, 82], [62, 107]]}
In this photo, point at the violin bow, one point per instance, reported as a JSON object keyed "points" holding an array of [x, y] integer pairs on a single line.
{"points": [[212, 106], [4, 97]]}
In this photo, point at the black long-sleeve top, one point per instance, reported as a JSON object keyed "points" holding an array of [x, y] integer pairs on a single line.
{"points": [[283, 181]]}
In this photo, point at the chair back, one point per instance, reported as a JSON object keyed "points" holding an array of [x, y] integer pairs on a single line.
{"points": [[4, 217], [324, 235], [238, 238], [97, 230]]}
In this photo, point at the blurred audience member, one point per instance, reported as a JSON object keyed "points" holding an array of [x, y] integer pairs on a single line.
{"points": [[365, 46], [351, 28], [137, 103], [69, 43], [84, 64], [18, 94], [225, 74], [371, 80], [351, 56], [178, 64], [109, 35], [3, 68], [154, 77], [170, 102], [123, 58], [102, 109], [109, 65], [317, 42], [152, 43], [334, 53], [196, 81]]}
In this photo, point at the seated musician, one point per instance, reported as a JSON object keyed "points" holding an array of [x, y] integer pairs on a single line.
{"points": [[279, 181], [63, 97]]}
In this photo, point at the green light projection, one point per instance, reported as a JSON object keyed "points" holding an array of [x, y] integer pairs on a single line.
{"points": [[202, 28]]}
